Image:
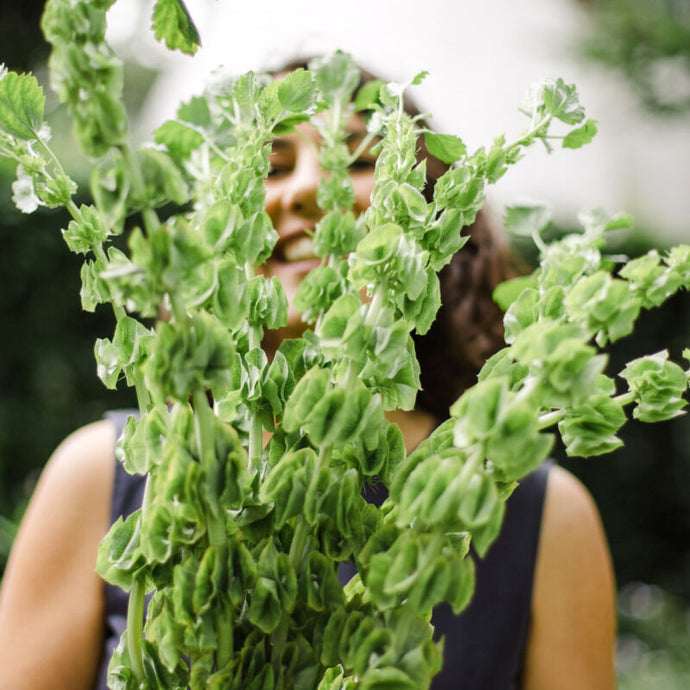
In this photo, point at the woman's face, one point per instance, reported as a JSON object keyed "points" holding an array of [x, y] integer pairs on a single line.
{"points": [[291, 203]]}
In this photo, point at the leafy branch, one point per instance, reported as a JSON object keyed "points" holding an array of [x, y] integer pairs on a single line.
{"points": [[238, 544]]}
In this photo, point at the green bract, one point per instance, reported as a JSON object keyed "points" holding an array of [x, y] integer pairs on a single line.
{"points": [[240, 541], [658, 386]]}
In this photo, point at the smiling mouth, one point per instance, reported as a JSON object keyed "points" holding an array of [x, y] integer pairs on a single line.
{"points": [[296, 248]]}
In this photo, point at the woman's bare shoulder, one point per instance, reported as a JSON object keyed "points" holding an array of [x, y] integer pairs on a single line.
{"points": [[84, 459], [87, 451], [572, 635], [50, 590]]}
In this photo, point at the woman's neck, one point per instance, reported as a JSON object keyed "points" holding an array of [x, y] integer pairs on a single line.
{"points": [[415, 425]]}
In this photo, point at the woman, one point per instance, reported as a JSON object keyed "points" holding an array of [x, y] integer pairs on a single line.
{"points": [[53, 605]]}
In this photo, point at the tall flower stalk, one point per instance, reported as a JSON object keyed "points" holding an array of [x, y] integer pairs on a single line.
{"points": [[239, 544]]}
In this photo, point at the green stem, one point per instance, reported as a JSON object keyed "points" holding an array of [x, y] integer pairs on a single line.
{"points": [[255, 426], [279, 639], [539, 243], [150, 217], [143, 396], [474, 460], [520, 141], [215, 524], [302, 530], [403, 625], [350, 375], [55, 160], [255, 440], [376, 304], [203, 425], [74, 212], [177, 308], [335, 121], [100, 254], [364, 144], [135, 628], [625, 398], [225, 637], [550, 418], [296, 555], [211, 144]]}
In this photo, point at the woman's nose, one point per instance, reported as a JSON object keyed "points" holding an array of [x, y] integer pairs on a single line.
{"points": [[301, 187]]}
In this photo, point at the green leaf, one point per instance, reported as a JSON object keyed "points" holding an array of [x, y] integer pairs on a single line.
{"points": [[561, 101], [94, 289], [653, 282], [521, 313], [509, 290], [678, 260], [367, 97], [658, 384], [21, 105], [604, 305], [297, 92], [461, 585], [597, 221], [178, 138], [388, 678], [580, 136], [163, 180], [337, 233], [446, 147], [527, 218], [419, 77], [119, 554], [195, 111], [286, 484], [318, 291], [267, 302], [337, 76], [375, 250], [590, 428], [275, 590], [83, 236], [172, 24], [324, 592]]}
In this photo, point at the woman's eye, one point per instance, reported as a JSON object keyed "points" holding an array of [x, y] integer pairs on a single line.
{"points": [[363, 164], [278, 169]]}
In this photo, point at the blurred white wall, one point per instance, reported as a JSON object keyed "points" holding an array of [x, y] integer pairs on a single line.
{"points": [[481, 56]]}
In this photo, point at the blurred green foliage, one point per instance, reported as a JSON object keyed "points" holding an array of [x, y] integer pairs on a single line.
{"points": [[654, 639], [47, 367], [641, 489], [648, 41]]}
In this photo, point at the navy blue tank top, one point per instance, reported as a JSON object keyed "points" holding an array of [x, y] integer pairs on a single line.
{"points": [[484, 646]]}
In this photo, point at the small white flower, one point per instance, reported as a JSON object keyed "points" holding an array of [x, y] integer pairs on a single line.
{"points": [[23, 192], [45, 133], [3, 70]]}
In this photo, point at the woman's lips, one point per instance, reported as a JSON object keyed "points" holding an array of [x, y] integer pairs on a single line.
{"points": [[299, 249], [295, 247]]}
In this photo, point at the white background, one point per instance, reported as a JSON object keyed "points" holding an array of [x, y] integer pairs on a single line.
{"points": [[481, 56]]}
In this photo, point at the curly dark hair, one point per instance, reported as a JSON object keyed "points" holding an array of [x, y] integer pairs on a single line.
{"points": [[469, 325]]}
